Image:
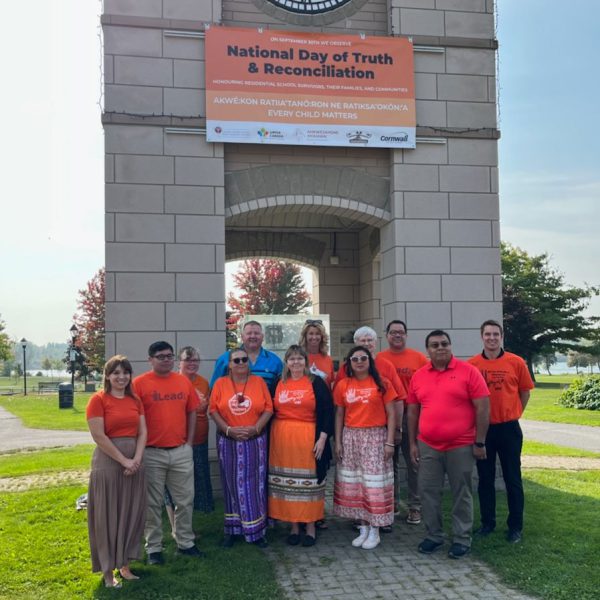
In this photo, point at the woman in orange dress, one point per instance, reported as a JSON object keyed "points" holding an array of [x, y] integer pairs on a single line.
{"points": [[117, 488], [365, 420], [299, 452], [314, 340], [241, 406]]}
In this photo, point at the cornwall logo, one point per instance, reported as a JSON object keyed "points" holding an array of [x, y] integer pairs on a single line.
{"points": [[358, 137], [262, 132]]}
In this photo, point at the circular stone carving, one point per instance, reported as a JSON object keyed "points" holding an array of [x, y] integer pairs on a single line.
{"points": [[310, 12]]}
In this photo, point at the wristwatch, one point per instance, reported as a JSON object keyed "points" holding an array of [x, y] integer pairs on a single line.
{"points": [[479, 444]]}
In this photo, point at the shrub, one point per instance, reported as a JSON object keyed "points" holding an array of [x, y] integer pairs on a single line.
{"points": [[582, 393]]}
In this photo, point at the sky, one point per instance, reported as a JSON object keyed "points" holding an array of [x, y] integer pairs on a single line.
{"points": [[53, 156]]}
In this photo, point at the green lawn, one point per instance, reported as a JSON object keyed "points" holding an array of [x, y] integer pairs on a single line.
{"points": [[42, 412], [532, 448], [543, 405], [45, 555], [559, 556], [18, 464]]}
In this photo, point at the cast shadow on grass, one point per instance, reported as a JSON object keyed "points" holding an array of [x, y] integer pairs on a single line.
{"points": [[559, 556]]}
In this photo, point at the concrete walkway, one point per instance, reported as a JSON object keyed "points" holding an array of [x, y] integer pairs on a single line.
{"points": [[562, 434], [15, 436]]}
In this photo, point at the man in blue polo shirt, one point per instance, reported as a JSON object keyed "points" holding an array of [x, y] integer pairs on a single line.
{"points": [[263, 363]]}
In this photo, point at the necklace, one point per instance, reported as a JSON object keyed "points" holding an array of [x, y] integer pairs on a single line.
{"points": [[241, 398]]}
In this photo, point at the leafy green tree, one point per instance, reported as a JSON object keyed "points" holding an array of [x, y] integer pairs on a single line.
{"points": [[6, 346], [542, 314], [47, 364], [269, 287]]}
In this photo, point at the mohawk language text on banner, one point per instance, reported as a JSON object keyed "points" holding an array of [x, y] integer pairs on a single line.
{"points": [[281, 87]]}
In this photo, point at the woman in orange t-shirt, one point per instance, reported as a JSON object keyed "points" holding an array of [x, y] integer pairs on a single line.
{"points": [[314, 340], [299, 452], [364, 446], [241, 406], [117, 489]]}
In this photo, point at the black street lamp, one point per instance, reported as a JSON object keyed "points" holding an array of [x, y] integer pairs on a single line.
{"points": [[24, 346], [73, 353]]}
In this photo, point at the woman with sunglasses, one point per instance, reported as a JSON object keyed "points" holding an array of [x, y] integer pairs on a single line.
{"points": [[364, 446], [241, 406], [117, 489], [300, 453], [314, 340]]}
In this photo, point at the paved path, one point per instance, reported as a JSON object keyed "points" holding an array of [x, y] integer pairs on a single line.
{"points": [[334, 570], [15, 436], [562, 434]]}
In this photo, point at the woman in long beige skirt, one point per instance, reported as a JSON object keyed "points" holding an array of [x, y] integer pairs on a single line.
{"points": [[117, 489]]}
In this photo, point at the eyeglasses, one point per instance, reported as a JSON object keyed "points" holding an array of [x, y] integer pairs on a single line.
{"points": [[435, 345], [164, 357], [313, 322], [397, 333], [361, 358], [241, 360]]}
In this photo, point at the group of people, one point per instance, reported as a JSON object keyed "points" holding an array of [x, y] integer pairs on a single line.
{"points": [[275, 421]]}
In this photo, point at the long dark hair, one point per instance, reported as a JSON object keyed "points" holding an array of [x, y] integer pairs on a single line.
{"points": [[373, 372]]}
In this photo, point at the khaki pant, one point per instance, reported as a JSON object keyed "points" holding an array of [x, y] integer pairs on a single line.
{"points": [[175, 469], [458, 465]]}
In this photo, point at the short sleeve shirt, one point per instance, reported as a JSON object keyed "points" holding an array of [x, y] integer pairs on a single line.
{"points": [[363, 402], [121, 415], [322, 366], [295, 400], [406, 363]]}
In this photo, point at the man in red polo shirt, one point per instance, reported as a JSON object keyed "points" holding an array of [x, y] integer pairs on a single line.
{"points": [[406, 361], [448, 406], [509, 383]]}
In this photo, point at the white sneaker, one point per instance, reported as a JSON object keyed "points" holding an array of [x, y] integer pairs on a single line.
{"points": [[364, 534], [372, 540]]}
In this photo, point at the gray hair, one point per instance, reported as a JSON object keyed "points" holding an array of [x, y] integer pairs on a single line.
{"points": [[363, 331]]}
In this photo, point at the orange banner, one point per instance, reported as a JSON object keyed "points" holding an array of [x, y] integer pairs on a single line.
{"points": [[288, 82]]}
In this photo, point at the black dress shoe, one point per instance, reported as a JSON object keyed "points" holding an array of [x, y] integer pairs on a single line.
{"points": [[155, 558], [484, 530], [293, 539], [191, 551], [458, 550], [309, 541], [514, 536]]}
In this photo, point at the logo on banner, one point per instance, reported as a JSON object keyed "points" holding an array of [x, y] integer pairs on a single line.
{"points": [[262, 132], [399, 137], [218, 130], [358, 137]]}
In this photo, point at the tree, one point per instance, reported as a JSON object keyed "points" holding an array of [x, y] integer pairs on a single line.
{"points": [[269, 287], [90, 321], [542, 314], [578, 360], [6, 346], [47, 365], [546, 361]]}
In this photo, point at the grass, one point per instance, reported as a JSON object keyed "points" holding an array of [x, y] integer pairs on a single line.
{"points": [[544, 406], [559, 556], [45, 555], [531, 448], [42, 412], [36, 462]]}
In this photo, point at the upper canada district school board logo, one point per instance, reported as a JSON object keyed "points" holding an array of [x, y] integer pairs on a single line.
{"points": [[238, 408], [308, 7]]}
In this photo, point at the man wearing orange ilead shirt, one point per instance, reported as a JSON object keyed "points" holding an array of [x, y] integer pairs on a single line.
{"points": [[509, 383], [170, 404], [406, 361]]}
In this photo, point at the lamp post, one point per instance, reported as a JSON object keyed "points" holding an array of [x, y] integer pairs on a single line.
{"points": [[24, 346], [72, 353]]}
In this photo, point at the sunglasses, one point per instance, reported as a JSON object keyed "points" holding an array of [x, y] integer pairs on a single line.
{"points": [[313, 322], [164, 357], [435, 345], [361, 358], [241, 360]]}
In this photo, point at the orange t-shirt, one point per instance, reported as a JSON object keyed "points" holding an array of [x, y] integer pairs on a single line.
{"points": [[406, 363], [167, 402], [121, 415], [321, 365], [505, 376], [295, 400], [364, 403], [201, 434], [387, 371], [224, 400]]}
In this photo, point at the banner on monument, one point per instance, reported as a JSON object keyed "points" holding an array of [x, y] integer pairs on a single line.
{"points": [[281, 87]]}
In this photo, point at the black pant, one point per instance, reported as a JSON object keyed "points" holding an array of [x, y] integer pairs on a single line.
{"points": [[505, 440]]}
